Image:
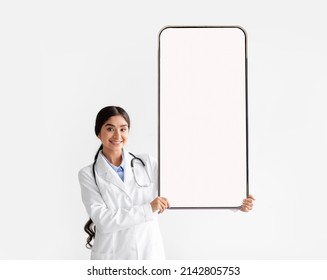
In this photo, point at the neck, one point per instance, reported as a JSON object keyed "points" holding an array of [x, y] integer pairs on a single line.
{"points": [[115, 158]]}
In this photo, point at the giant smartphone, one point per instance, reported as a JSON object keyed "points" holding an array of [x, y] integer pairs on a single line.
{"points": [[202, 131]]}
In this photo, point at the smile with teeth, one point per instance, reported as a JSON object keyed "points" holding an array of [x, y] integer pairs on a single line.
{"points": [[115, 142]]}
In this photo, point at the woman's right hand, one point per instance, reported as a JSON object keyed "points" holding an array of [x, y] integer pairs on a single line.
{"points": [[160, 203]]}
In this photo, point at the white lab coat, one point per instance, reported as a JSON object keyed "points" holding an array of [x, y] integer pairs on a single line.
{"points": [[126, 227]]}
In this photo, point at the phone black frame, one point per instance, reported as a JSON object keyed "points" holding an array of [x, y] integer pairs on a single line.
{"points": [[246, 112]]}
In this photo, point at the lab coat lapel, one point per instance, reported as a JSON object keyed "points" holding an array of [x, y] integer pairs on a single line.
{"points": [[108, 174]]}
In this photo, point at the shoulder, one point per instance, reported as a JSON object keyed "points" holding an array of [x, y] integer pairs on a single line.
{"points": [[149, 159], [85, 172]]}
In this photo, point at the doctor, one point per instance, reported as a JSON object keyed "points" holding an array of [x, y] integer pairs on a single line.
{"points": [[119, 191]]}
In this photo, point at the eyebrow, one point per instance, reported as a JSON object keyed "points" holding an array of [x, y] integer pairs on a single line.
{"points": [[109, 124]]}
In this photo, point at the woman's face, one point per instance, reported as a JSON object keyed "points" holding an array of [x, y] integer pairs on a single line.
{"points": [[114, 134]]}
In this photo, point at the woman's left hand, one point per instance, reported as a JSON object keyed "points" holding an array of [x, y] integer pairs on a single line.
{"points": [[247, 204]]}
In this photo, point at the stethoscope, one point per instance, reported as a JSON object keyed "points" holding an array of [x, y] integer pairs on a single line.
{"points": [[137, 165]]}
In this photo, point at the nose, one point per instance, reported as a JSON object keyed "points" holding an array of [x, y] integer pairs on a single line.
{"points": [[117, 134]]}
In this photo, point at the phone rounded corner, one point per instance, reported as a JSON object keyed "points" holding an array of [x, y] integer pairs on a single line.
{"points": [[241, 28], [163, 29]]}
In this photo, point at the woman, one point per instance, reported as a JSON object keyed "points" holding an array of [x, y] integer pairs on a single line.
{"points": [[121, 201], [119, 191]]}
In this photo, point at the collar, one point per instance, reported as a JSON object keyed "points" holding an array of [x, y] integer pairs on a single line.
{"points": [[104, 171], [114, 167]]}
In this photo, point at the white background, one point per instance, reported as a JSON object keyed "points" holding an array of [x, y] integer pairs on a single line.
{"points": [[61, 61]]}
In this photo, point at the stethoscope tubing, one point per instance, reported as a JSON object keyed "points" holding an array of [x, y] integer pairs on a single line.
{"points": [[132, 165]]}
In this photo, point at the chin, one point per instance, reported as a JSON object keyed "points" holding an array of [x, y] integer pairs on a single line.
{"points": [[116, 148]]}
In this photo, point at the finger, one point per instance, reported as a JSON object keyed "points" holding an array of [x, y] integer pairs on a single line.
{"points": [[166, 204], [162, 206], [157, 205], [244, 209], [164, 201], [160, 209], [249, 207], [251, 197], [247, 203]]}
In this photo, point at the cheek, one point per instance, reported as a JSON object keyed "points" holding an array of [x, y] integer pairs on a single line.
{"points": [[102, 139], [104, 136]]}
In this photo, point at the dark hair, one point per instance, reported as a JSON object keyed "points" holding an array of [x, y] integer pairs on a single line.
{"points": [[103, 115]]}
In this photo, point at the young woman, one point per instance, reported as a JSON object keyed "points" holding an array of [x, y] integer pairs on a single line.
{"points": [[119, 191]]}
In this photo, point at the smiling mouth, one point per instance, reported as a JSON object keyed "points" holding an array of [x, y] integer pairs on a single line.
{"points": [[115, 142]]}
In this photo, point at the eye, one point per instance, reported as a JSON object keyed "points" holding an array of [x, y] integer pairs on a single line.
{"points": [[110, 129], [123, 129]]}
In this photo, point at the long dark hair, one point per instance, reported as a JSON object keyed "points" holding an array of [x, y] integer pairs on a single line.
{"points": [[103, 115]]}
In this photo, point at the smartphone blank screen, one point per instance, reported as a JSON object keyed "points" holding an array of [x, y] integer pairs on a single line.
{"points": [[203, 159]]}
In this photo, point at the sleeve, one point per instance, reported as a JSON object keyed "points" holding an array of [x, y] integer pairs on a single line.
{"points": [[107, 219]]}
